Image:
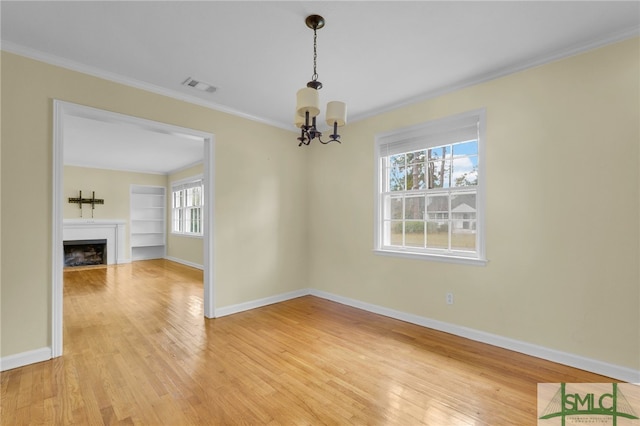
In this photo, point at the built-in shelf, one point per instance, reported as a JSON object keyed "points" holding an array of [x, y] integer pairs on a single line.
{"points": [[148, 235]]}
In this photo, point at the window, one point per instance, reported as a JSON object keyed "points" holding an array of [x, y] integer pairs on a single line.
{"points": [[187, 202], [429, 192]]}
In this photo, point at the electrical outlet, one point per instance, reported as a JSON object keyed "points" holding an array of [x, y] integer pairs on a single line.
{"points": [[449, 298]]}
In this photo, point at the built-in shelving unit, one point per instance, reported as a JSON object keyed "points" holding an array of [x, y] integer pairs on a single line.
{"points": [[148, 229]]}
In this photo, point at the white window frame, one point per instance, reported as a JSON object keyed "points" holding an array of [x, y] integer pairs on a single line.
{"points": [[181, 185], [423, 136]]}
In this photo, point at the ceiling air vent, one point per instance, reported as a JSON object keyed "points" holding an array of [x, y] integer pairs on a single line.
{"points": [[200, 85]]}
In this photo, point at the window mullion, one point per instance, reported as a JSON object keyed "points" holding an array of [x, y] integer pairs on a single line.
{"points": [[424, 222], [404, 212], [450, 226]]}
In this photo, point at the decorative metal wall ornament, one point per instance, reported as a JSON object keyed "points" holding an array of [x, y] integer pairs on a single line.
{"points": [[307, 107], [80, 201]]}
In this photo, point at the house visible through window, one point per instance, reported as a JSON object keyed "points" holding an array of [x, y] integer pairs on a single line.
{"points": [[430, 190], [187, 202]]}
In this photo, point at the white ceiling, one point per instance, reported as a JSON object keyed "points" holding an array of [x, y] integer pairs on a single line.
{"points": [[95, 143], [373, 55]]}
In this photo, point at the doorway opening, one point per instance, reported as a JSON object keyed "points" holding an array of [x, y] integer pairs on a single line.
{"points": [[63, 114]]}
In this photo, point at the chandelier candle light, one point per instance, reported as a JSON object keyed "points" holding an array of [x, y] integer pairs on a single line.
{"points": [[308, 102]]}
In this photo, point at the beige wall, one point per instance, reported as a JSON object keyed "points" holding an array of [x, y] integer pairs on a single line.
{"points": [[189, 249], [562, 212], [250, 229], [111, 185], [563, 205]]}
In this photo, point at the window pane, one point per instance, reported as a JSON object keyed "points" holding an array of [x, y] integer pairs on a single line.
{"points": [[178, 220], [463, 223], [195, 221], [396, 179], [438, 207], [395, 238], [190, 197], [397, 160], [437, 235], [414, 208], [197, 196], [416, 157], [463, 206], [463, 236], [187, 220], [174, 221], [438, 174], [465, 171], [414, 234], [439, 153], [396, 208], [465, 148], [416, 176]]}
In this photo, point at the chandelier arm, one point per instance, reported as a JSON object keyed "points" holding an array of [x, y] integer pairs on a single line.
{"points": [[333, 138]]}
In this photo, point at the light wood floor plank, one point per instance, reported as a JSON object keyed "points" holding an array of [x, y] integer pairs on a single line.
{"points": [[138, 351]]}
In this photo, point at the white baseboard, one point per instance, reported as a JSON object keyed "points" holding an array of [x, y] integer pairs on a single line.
{"points": [[185, 262], [576, 361], [240, 307], [609, 370], [25, 358]]}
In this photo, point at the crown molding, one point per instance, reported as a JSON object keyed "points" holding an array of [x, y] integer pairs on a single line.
{"points": [[38, 55], [501, 72], [573, 50]]}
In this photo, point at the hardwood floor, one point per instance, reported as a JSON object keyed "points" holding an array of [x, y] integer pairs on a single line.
{"points": [[137, 350]]}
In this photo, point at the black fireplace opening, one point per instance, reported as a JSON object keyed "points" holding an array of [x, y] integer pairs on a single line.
{"points": [[85, 252]]}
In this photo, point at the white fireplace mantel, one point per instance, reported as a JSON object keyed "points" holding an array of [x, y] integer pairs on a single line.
{"points": [[104, 229]]}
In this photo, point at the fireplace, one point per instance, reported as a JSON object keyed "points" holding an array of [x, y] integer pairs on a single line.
{"points": [[85, 252], [113, 231]]}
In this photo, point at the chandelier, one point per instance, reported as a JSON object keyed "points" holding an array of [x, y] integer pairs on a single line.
{"points": [[308, 102]]}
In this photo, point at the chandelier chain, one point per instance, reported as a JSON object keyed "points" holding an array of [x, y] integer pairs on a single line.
{"points": [[315, 55]]}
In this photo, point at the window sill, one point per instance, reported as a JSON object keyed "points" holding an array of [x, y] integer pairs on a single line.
{"points": [[175, 234], [432, 257]]}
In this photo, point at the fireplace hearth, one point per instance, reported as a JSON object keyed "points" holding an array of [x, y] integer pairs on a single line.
{"points": [[85, 253]]}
